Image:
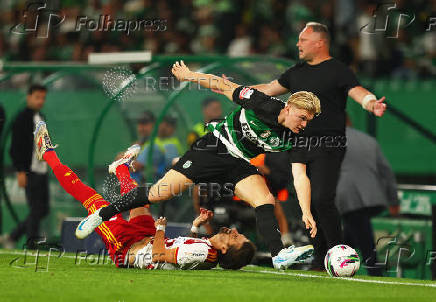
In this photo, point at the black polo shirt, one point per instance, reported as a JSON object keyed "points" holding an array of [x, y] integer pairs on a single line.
{"points": [[330, 80]]}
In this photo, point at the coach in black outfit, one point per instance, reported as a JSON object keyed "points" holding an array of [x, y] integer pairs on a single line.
{"points": [[322, 146], [31, 173]]}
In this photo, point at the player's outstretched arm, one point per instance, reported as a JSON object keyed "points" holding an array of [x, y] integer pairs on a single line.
{"points": [[368, 100], [272, 88], [159, 252], [182, 73], [302, 187]]}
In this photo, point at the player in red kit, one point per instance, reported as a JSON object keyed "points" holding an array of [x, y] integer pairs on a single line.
{"points": [[140, 241]]}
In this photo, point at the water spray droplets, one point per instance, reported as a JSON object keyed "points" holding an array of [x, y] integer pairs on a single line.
{"points": [[119, 83]]}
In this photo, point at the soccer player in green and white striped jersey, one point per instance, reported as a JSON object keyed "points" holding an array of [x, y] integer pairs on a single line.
{"points": [[261, 124]]}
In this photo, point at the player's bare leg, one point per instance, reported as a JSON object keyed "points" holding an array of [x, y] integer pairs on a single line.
{"points": [[171, 184], [283, 224], [254, 190]]}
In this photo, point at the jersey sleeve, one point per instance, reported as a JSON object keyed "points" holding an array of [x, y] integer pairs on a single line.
{"points": [[284, 78], [347, 79], [190, 255], [266, 108], [298, 156]]}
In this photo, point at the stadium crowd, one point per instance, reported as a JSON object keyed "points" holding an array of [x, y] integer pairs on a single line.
{"points": [[236, 28]]}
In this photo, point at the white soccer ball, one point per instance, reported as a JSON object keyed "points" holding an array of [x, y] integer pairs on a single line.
{"points": [[341, 261]]}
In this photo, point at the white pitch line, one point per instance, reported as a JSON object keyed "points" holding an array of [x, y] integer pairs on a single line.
{"points": [[277, 273], [33, 254], [345, 279]]}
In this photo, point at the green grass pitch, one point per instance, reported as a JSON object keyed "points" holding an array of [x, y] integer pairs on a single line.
{"points": [[61, 279]]}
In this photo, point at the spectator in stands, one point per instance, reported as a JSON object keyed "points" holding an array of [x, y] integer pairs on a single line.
{"points": [[366, 187], [144, 128], [170, 145], [31, 173], [241, 45], [212, 110], [167, 141], [209, 26]]}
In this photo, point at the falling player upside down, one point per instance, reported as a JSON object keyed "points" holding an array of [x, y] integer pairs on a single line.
{"points": [[140, 242]]}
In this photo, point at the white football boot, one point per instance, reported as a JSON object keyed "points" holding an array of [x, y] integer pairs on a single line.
{"points": [[88, 225], [42, 140], [128, 157], [290, 255]]}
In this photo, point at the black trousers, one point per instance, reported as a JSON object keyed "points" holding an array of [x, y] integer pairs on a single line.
{"points": [[358, 233], [323, 168], [37, 197]]}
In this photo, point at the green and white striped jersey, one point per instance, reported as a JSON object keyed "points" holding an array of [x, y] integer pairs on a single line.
{"points": [[253, 129]]}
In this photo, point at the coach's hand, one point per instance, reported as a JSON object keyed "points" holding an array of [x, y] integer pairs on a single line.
{"points": [[310, 224], [180, 71], [379, 107]]}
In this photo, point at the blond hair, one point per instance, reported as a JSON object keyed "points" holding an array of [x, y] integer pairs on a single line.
{"points": [[305, 100]]}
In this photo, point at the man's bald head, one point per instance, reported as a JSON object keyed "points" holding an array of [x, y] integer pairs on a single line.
{"points": [[321, 29]]}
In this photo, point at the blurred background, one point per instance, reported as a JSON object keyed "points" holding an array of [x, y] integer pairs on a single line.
{"points": [[392, 50], [236, 28]]}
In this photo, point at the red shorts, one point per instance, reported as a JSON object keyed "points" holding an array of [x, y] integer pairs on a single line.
{"points": [[119, 234]]}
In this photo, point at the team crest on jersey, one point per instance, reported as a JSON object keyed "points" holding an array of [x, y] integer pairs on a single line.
{"points": [[274, 141], [265, 134], [245, 93], [187, 164]]}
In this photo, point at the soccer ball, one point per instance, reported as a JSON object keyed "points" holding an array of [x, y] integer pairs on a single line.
{"points": [[341, 261]]}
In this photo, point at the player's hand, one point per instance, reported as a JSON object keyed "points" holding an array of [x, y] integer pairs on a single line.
{"points": [[310, 224], [160, 221], [22, 179], [219, 91], [180, 71], [205, 216], [379, 107]]}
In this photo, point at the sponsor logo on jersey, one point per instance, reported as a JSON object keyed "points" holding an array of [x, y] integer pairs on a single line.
{"points": [[187, 164], [246, 132], [265, 134], [198, 254], [245, 93], [274, 141]]}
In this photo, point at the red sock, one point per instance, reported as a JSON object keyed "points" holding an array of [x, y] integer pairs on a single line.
{"points": [[87, 196], [52, 159], [126, 182]]}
